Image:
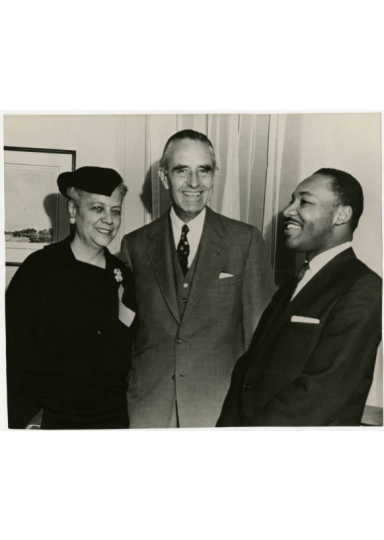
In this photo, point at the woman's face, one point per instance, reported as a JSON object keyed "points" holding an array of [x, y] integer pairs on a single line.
{"points": [[98, 218]]}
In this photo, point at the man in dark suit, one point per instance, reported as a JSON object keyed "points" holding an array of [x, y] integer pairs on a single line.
{"points": [[312, 357], [202, 281]]}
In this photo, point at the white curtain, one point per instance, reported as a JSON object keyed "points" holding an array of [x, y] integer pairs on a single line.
{"points": [[223, 132], [273, 181]]}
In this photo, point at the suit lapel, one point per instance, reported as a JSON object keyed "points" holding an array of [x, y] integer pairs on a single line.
{"points": [[273, 311], [286, 308], [210, 254], [160, 255]]}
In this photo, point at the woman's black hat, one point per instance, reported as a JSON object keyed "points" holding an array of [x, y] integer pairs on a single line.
{"points": [[98, 180]]}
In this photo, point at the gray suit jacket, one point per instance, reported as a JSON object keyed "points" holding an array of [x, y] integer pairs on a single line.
{"points": [[191, 360]]}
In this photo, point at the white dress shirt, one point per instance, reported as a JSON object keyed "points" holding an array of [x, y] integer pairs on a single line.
{"points": [[195, 227], [317, 264]]}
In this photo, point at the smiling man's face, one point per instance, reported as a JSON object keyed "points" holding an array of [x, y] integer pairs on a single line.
{"points": [[189, 177], [310, 218]]}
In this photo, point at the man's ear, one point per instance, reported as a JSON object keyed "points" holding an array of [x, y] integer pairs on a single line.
{"points": [[344, 214], [163, 178]]}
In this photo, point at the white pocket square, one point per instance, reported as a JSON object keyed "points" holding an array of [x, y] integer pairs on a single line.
{"points": [[223, 275], [308, 320]]}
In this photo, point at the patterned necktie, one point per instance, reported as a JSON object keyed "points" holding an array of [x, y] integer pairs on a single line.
{"points": [[183, 249], [299, 277], [302, 272]]}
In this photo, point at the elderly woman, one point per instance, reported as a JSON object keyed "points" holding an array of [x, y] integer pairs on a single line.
{"points": [[68, 354]]}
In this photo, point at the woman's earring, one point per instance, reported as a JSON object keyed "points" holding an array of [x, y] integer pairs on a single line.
{"points": [[72, 220]]}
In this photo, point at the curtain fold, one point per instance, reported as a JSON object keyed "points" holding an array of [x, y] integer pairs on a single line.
{"points": [[230, 205], [274, 171], [247, 136]]}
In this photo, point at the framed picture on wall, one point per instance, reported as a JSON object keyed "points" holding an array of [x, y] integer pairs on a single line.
{"points": [[35, 211]]}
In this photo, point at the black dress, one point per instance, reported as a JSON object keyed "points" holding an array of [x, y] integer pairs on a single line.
{"points": [[67, 352]]}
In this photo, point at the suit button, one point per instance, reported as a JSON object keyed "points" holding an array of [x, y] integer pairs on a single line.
{"points": [[185, 285], [179, 341], [99, 332], [246, 386], [184, 300]]}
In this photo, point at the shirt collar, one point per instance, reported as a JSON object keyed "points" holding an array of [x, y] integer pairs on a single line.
{"points": [[195, 225], [321, 260]]}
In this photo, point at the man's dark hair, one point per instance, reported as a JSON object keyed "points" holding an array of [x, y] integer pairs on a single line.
{"points": [[348, 192], [185, 134]]}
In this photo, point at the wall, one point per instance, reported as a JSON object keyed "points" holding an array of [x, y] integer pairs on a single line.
{"points": [[350, 142]]}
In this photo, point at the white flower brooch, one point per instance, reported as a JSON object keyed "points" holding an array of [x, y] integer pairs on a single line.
{"points": [[118, 275]]}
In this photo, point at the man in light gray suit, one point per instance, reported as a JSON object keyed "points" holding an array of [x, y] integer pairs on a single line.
{"points": [[202, 282]]}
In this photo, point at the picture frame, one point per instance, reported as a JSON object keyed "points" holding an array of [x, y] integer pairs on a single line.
{"points": [[35, 211]]}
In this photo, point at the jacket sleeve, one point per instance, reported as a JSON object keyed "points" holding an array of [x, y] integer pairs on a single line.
{"points": [[22, 296], [258, 285], [231, 411], [124, 252], [343, 358], [129, 296]]}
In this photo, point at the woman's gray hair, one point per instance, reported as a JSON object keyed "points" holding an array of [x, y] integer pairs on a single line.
{"points": [[77, 195]]}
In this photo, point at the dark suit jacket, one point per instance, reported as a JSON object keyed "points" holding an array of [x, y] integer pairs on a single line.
{"points": [[300, 374], [217, 326]]}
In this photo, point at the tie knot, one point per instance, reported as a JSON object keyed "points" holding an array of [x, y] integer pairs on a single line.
{"points": [[302, 271], [185, 229]]}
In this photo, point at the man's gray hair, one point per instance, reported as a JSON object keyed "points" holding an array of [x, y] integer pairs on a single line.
{"points": [[181, 135]]}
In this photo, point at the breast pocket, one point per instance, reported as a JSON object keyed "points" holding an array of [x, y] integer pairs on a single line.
{"points": [[293, 346], [225, 282]]}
